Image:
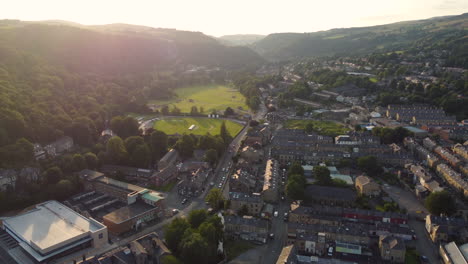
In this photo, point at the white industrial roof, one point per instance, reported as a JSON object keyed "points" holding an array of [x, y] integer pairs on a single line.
{"points": [[50, 226]]}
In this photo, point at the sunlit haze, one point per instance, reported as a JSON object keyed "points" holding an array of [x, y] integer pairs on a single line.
{"points": [[218, 17]]}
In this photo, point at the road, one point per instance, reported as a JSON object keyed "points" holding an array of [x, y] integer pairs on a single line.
{"points": [[410, 202]]}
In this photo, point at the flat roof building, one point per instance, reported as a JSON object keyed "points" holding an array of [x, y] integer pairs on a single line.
{"points": [[52, 229]]}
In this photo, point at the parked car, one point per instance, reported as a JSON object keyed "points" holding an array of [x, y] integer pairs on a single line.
{"points": [[184, 201], [275, 213], [175, 211]]}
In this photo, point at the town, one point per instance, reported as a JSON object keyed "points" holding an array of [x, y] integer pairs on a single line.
{"points": [[335, 159]]}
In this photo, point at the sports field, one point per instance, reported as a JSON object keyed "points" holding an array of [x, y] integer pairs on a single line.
{"points": [[328, 128], [208, 97], [202, 126]]}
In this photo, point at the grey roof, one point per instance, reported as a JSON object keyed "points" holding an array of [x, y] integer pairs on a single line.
{"points": [[330, 193]]}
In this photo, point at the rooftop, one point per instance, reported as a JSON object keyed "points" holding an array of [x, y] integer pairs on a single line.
{"points": [[49, 225], [128, 212]]}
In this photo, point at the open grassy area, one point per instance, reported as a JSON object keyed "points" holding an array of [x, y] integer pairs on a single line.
{"points": [[328, 128], [234, 248], [210, 97], [373, 79], [181, 125]]}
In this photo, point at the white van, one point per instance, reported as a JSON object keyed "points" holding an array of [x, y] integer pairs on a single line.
{"points": [[330, 251]]}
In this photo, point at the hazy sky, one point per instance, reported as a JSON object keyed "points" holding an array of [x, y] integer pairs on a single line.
{"points": [[220, 17]]}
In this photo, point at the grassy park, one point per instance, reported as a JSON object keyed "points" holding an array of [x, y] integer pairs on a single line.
{"points": [[209, 97], [202, 126], [328, 128]]}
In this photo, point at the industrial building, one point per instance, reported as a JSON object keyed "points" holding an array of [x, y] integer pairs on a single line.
{"points": [[50, 231], [121, 206]]}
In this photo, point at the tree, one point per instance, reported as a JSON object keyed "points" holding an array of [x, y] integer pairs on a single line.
{"points": [[185, 146], [158, 144], [309, 128], [174, 233], [322, 175], [295, 190], [215, 198], [53, 175], [64, 188], [132, 142], [194, 249], [211, 156], [202, 110], [440, 203], [194, 110], [197, 217], [225, 134], [91, 160], [125, 126], [370, 165], [229, 111], [115, 150], [296, 168], [79, 163], [208, 232], [165, 110], [244, 210], [297, 178], [140, 157]]}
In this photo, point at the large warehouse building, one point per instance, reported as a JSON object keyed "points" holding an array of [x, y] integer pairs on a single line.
{"points": [[140, 205], [53, 230]]}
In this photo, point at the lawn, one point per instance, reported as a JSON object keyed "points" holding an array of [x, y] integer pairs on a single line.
{"points": [[328, 128], [210, 97], [234, 248], [181, 125], [373, 79]]}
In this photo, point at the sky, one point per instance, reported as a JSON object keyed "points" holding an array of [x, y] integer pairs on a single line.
{"points": [[222, 17]]}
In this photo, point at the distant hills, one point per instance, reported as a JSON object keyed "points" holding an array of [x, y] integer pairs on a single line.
{"points": [[120, 48], [449, 32], [240, 40]]}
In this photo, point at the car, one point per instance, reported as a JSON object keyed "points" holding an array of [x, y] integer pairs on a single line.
{"points": [[330, 251], [272, 236], [184, 201], [282, 198], [275, 213], [175, 211], [286, 214]]}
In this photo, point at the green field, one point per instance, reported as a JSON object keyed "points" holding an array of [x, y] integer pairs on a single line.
{"points": [[321, 127], [210, 97], [181, 125]]}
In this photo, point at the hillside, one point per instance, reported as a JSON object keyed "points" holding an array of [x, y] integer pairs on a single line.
{"points": [[119, 48], [444, 32], [59, 79], [240, 39]]}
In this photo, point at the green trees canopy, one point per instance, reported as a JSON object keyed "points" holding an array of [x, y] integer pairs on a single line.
{"points": [[215, 198], [370, 165], [158, 144], [79, 162], [296, 168], [91, 160], [322, 175], [174, 233], [211, 156], [196, 217], [185, 146], [115, 151], [125, 126], [440, 203]]}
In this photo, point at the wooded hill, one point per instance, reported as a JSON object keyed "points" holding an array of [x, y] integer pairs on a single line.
{"points": [[59, 78], [448, 33]]}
